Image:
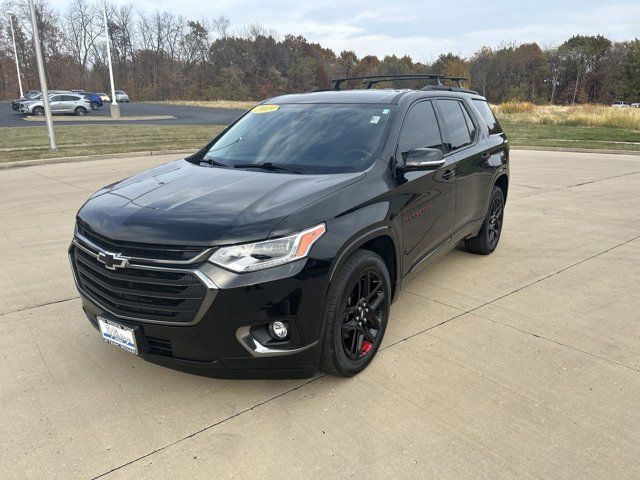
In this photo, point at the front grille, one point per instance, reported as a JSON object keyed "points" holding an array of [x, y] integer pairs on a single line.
{"points": [[140, 250], [140, 293]]}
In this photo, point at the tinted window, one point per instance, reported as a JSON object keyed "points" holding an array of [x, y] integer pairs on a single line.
{"points": [[489, 117], [70, 98], [420, 129], [458, 134], [55, 98], [467, 118], [312, 138]]}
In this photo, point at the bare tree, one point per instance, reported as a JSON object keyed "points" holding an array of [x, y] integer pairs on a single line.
{"points": [[82, 27]]}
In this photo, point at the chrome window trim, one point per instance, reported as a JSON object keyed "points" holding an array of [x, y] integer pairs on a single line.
{"points": [[212, 288]]}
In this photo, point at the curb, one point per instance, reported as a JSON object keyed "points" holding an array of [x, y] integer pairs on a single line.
{"points": [[150, 153], [85, 158], [89, 118], [577, 150]]}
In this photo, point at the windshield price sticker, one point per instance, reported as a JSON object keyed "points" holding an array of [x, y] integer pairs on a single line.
{"points": [[265, 108]]}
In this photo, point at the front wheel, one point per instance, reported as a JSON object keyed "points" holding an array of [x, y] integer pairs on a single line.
{"points": [[80, 111], [94, 105], [357, 311], [39, 111], [489, 235]]}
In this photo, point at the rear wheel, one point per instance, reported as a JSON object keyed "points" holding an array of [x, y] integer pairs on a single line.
{"points": [[39, 111], [357, 312], [489, 235], [80, 111]]}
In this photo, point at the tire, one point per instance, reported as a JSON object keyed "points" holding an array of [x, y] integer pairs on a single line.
{"points": [[94, 106], [80, 111], [39, 111], [489, 235], [358, 328]]}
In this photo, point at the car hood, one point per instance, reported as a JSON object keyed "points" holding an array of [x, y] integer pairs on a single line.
{"points": [[182, 203]]}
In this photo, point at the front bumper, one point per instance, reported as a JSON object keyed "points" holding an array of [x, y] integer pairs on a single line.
{"points": [[229, 337]]}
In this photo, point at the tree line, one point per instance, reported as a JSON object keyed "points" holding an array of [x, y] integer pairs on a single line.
{"points": [[161, 55]]}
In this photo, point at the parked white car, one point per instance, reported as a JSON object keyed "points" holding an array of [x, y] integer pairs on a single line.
{"points": [[121, 96], [620, 105], [635, 105], [60, 103]]}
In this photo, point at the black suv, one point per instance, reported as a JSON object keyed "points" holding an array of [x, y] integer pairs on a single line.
{"points": [[279, 247]]}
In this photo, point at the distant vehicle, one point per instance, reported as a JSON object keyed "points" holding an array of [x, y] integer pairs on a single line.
{"points": [[95, 99], [620, 105], [60, 103], [78, 91], [635, 105], [121, 97], [105, 98], [31, 95]]}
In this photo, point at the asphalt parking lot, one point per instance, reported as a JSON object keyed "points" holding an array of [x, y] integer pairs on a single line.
{"points": [[185, 115], [523, 364]]}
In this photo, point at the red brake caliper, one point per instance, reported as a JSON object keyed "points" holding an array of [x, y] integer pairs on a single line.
{"points": [[366, 346]]}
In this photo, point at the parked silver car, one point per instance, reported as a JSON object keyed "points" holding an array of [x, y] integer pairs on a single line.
{"points": [[121, 96], [60, 103]]}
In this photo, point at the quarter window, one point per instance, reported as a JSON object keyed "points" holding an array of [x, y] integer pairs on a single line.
{"points": [[489, 117], [420, 129], [458, 133]]}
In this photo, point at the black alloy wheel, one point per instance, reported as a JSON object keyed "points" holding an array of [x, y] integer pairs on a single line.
{"points": [[362, 315], [358, 305], [494, 227], [489, 235]]}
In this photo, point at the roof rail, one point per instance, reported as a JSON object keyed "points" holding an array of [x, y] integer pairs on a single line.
{"points": [[370, 80]]}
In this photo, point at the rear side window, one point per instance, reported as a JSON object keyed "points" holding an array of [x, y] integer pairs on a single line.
{"points": [[420, 129], [489, 117], [458, 134], [70, 98]]}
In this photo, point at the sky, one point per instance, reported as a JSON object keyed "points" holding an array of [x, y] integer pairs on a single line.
{"points": [[422, 29]]}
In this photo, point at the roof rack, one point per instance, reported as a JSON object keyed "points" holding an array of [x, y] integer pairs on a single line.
{"points": [[370, 80]]}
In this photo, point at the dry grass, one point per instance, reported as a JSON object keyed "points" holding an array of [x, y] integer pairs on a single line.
{"points": [[578, 115], [229, 104], [27, 143]]}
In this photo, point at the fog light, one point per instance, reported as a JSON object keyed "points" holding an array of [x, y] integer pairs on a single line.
{"points": [[278, 330]]}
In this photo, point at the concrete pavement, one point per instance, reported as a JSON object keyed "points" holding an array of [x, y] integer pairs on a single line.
{"points": [[523, 364]]}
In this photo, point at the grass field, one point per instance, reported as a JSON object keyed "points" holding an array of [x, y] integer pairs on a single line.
{"points": [[27, 143], [228, 104], [580, 126], [591, 127]]}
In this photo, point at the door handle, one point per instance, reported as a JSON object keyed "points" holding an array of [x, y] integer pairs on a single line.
{"points": [[448, 174]]}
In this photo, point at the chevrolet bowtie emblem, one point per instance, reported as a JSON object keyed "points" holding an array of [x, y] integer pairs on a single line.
{"points": [[113, 260]]}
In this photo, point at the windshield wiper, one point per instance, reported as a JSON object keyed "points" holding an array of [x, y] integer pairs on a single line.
{"points": [[214, 163], [276, 167]]}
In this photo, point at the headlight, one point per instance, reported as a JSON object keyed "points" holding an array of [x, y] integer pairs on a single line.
{"points": [[269, 253]]}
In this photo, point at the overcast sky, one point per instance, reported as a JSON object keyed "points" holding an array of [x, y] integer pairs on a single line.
{"points": [[420, 28]]}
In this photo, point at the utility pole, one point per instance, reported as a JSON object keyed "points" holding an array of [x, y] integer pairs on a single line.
{"points": [[15, 53], [43, 79], [115, 108]]}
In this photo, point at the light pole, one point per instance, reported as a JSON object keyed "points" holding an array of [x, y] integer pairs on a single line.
{"points": [[15, 53], [43, 79], [115, 108]]}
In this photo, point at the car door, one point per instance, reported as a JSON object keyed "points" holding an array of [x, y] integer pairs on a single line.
{"points": [[57, 104], [426, 197], [70, 102], [468, 156]]}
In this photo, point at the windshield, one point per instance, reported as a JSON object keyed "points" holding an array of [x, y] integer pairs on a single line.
{"points": [[310, 138]]}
